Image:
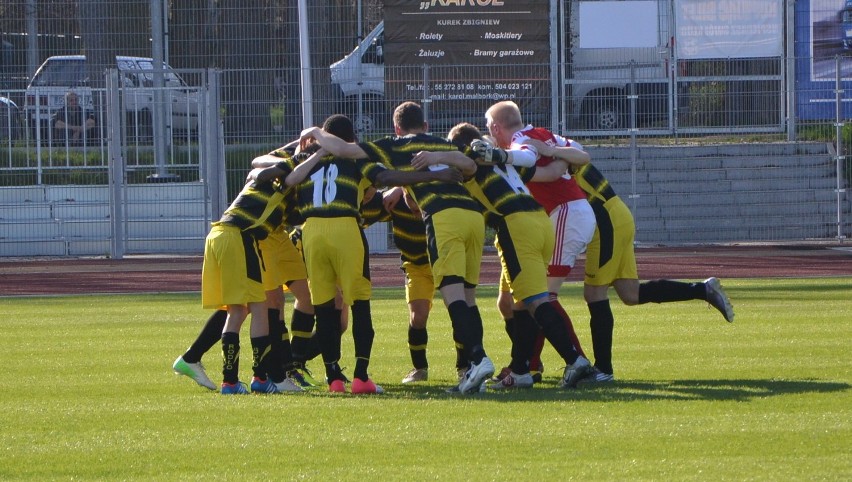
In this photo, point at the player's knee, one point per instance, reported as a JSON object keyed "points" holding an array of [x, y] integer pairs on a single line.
{"points": [[418, 320]]}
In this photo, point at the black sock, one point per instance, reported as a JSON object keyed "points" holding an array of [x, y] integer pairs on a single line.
{"points": [[418, 338], [461, 357], [263, 366], [476, 325], [460, 318], [286, 346], [209, 336], [478, 350], [556, 332], [333, 372], [279, 350], [302, 327], [665, 291], [602, 324], [314, 348], [363, 334], [328, 335], [230, 357], [523, 340], [510, 327]]}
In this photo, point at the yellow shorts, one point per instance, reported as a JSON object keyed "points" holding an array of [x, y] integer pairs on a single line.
{"points": [[232, 273], [525, 243], [419, 284], [455, 237], [610, 255], [336, 254], [282, 261]]}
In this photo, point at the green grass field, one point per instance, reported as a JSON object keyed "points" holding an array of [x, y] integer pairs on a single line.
{"points": [[90, 394]]}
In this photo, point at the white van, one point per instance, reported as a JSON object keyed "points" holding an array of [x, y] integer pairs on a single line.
{"points": [[60, 74], [362, 71]]}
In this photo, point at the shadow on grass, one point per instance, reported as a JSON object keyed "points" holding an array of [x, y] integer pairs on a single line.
{"points": [[621, 391]]}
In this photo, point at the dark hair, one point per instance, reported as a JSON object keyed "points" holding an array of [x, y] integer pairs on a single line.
{"points": [[462, 134], [408, 116], [341, 126]]}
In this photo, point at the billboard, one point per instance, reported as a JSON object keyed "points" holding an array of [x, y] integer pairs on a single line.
{"points": [[724, 29], [447, 51], [823, 56]]}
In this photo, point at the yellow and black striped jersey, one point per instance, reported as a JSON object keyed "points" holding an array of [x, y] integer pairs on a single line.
{"points": [[593, 183], [292, 216], [335, 186], [258, 209], [409, 230], [373, 211], [431, 197], [502, 189]]}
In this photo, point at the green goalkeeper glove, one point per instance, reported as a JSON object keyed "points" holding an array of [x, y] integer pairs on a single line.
{"points": [[489, 153]]}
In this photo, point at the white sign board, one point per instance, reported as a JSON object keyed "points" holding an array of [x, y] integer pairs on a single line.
{"points": [[606, 25]]}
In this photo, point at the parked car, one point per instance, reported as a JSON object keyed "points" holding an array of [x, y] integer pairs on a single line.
{"points": [[60, 74], [11, 123]]}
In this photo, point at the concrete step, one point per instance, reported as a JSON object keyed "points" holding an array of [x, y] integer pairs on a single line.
{"points": [[173, 191], [33, 247], [26, 211], [166, 208], [167, 228], [725, 223], [733, 234], [133, 210], [30, 230], [190, 245], [710, 201], [779, 149], [81, 210], [86, 229], [88, 247], [744, 162], [22, 194], [77, 193]]}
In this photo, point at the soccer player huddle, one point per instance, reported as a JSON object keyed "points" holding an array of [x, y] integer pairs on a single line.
{"points": [[538, 191]]}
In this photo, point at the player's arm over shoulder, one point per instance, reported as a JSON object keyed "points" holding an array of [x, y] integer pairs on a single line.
{"points": [[572, 156]]}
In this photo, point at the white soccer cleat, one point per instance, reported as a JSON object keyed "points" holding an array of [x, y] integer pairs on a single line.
{"points": [[718, 299], [416, 375], [575, 372], [194, 371], [288, 385], [475, 378], [513, 380], [596, 376]]}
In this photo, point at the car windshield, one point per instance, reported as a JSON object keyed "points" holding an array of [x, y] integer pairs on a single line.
{"points": [[61, 73], [170, 78]]}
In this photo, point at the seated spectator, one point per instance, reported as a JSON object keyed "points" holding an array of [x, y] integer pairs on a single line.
{"points": [[72, 124]]}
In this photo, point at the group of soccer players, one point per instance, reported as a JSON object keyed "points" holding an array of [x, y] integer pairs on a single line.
{"points": [[537, 190]]}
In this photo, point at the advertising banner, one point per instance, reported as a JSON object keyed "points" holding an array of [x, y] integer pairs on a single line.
{"points": [[483, 50], [823, 38], [729, 29]]}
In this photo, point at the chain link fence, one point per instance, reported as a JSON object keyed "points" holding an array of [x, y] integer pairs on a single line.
{"points": [[703, 149]]}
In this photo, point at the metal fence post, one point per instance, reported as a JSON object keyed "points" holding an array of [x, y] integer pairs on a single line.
{"points": [[633, 98], [116, 166], [213, 150], [790, 70], [838, 133], [427, 102]]}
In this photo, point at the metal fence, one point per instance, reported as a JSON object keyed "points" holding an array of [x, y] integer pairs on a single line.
{"points": [[704, 150]]}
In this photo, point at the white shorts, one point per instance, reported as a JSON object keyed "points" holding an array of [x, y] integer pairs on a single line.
{"points": [[574, 225]]}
